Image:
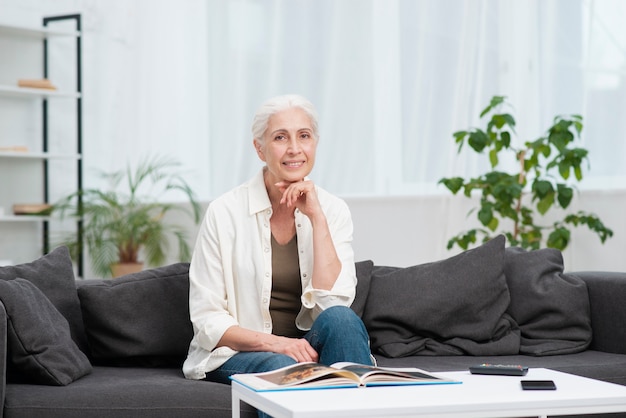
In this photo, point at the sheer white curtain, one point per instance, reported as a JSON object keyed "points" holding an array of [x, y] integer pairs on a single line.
{"points": [[145, 87], [393, 79], [320, 49], [604, 97]]}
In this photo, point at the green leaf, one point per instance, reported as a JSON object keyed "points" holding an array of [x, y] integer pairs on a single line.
{"points": [[478, 140], [578, 125], [565, 195], [459, 136], [498, 121], [506, 139], [560, 135], [495, 102], [564, 169], [545, 203], [559, 238], [453, 184], [493, 225], [510, 120], [464, 240], [493, 157], [485, 215], [542, 188], [578, 173], [509, 212]]}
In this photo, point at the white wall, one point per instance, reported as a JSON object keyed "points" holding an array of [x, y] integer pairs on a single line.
{"points": [[404, 231]]}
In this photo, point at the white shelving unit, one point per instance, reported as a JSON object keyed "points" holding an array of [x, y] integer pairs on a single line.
{"points": [[34, 32], [35, 161], [25, 92], [38, 155]]}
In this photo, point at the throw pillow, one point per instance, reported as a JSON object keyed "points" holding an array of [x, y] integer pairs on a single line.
{"points": [[139, 319], [364, 278], [551, 308], [451, 307], [39, 344], [53, 274]]}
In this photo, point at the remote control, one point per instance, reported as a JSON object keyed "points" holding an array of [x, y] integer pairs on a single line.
{"points": [[499, 369]]}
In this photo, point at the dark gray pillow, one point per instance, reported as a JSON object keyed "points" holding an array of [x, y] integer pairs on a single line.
{"points": [[364, 278], [551, 308], [53, 274], [451, 307], [39, 344], [139, 319]]}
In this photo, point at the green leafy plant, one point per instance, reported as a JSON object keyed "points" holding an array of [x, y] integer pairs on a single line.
{"points": [[544, 179], [116, 224]]}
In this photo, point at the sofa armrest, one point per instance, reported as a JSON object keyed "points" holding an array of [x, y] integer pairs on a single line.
{"points": [[607, 298], [3, 356]]}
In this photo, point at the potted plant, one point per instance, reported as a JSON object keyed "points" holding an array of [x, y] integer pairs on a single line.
{"points": [[543, 178], [117, 225]]}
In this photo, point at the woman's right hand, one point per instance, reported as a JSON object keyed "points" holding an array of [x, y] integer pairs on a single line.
{"points": [[242, 339], [297, 348]]}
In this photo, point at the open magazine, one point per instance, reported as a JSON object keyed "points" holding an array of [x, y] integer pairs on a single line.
{"points": [[338, 375]]}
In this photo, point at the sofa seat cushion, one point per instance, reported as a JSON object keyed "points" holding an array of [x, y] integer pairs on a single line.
{"points": [[599, 365], [123, 393], [39, 344], [53, 274]]}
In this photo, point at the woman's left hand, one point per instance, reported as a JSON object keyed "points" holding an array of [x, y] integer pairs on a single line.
{"points": [[326, 263], [300, 194]]}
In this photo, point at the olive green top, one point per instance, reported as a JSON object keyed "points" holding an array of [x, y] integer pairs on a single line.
{"points": [[286, 288]]}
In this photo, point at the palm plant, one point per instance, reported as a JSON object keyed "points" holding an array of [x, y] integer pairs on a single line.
{"points": [[116, 224]]}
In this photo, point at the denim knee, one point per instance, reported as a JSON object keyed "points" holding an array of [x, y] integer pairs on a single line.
{"points": [[338, 334], [341, 315], [275, 361], [249, 362]]}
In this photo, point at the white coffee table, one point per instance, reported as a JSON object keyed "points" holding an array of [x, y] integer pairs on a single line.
{"points": [[477, 396]]}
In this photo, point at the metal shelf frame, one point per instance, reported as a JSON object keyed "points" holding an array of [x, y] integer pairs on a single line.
{"points": [[79, 129]]}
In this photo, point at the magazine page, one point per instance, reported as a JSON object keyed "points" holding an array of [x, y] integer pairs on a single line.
{"points": [[298, 375], [368, 373]]}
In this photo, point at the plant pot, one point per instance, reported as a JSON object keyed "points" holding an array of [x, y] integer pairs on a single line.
{"points": [[120, 269]]}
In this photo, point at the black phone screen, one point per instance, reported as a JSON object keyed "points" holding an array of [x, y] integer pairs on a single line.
{"points": [[538, 385]]}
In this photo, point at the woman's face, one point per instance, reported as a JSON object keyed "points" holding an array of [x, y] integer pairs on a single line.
{"points": [[288, 146]]}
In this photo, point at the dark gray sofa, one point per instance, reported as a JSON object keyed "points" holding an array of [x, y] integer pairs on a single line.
{"points": [[135, 330]]}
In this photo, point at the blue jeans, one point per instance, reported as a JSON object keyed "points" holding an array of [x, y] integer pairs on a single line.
{"points": [[337, 334]]}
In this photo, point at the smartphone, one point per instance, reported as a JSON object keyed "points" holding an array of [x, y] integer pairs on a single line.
{"points": [[538, 385]]}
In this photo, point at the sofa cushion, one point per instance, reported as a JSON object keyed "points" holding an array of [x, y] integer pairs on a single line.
{"points": [[551, 308], [39, 344], [125, 392], [364, 278], [450, 307], [53, 274], [140, 318]]}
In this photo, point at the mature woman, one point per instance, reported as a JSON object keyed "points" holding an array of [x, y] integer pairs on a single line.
{"points": [[272, 275]]}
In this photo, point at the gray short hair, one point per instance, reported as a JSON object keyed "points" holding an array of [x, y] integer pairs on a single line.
{"points": [[278, 104]]}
